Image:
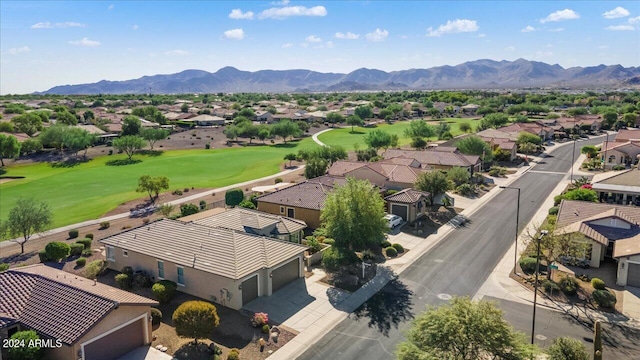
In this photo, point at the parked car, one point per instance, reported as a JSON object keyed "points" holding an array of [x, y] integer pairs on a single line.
{"points": [[392, 220]]}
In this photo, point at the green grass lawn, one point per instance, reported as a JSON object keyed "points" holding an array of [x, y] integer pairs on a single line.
{"points": [[345, 138], [89, 190]]}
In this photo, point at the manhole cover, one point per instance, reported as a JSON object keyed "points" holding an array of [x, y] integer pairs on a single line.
{"points": [[541, 337], [445, 297]]}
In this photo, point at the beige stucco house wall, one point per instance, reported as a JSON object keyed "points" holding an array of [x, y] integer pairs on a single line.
{"points": [[310, 216], [623, 268]]}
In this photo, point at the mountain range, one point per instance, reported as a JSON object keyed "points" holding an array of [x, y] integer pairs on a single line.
{"points": [[478, 74]]}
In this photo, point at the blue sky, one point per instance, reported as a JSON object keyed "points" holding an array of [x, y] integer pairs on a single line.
{"points": [[47, 43]]}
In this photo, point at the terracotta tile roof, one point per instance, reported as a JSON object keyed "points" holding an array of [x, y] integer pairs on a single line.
{"points": [[240, 219], [407, 196], [625, 147], [625, 135], [627, 247], [434, 157], [629, 178], [63, 307], [310, 194], [401, 161], [223, 252]]}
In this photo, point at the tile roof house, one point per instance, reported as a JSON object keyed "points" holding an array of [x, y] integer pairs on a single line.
{"points": [[228, 267], [409, 204], [620, 153], [385, 174], [86, 319], [437, 159], [301, 201], [619, 187], [625, 135], [613, 231]]}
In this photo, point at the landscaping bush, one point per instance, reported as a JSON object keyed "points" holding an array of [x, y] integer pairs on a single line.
{"points": [[4, 267], [569, 285], [598, 284], [177, 192], [329, 242], [156, 316], [86, 243], [87, 252], [164, 290], [265, 329], [334, 257], [391, 251], [89, 236], [73, 233], [497, 171], [80, 262], [528, 264], [385, 244], [145, 221], [277, 180], [618, 167], [27, 349], [234, 354], [188, 209], [368, 255], [203, 205], [43, 256], [313, 244], [233, 197], [142, 279], [604, 298], [550, 287], [57, 250], [398, 248], [104, 225], [127, 270], [76, 249], [553, 210], [207, 146], [259, 319], [95, 268], [465, 190], [124, 281]]}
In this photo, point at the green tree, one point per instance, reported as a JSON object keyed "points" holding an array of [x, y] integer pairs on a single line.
{"points": [[610, 118], [335, 118], [263, 132], [30, 146], [473, 145], [88, 116], [26, 218], [458, 176], [527, 148], [231, 132], [233, 197], [152, 185], [527, 137], [566, 348], [630, 118], [66, 118], [195, 319], [419, 129], [353, 215], [129, 144], [28, 123], [443, 130], [188, 209], [27, 352], [153, 134], [9, 148], [53, 136], [462, 330], [433, 182], [290, 157], [364, 112], [131, 125], [465, 127], [315, 167], [76, 139], [581, 195], [494, 120], [354, 120], [418, 143], [247, 113], [285, 129], [184, 108], [377, 139], [248, 130], [166, 209]]}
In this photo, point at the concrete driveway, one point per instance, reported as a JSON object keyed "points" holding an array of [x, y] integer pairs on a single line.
{"points": [[146, 353]]}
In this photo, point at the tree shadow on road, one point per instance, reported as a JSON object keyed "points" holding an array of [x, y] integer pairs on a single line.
{"points": [[389, 307]]}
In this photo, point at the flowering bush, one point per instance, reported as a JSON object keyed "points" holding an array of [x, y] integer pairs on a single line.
{"points": [[586, 186], [259, 319]]}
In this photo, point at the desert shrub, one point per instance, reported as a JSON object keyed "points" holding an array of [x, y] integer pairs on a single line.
{"points": [[185, 190], [73, 233], [598, 284], [127, 270], [4, 267], [145, 221], [234, 354], [57, 250], [618, 167], [95, 268], [247, 204], [203, 204], [385, 244], [233, 197], [207, 146], [465, 190], [497, 171], [43, 256], [89, 236], [391, 251], [569, 285], [334, 257], [265, 329], [156, 316], [553, 210], [104, 225], [87, 252], [604, 298], [329, 242], [528, 264], [277, 180], [142, 279], [86, 243], [80, 262], [566, 348], [398, 248], [76, 249], [259, 319], [177, 192], [550, 287], [188, 209], [313, 244], [164, 290], [124, 281]]}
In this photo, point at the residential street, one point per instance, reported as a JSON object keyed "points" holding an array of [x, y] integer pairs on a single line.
{"points": [[458, 265]]}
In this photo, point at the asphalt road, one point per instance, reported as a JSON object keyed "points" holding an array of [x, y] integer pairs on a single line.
{"points": [[458, 265]]}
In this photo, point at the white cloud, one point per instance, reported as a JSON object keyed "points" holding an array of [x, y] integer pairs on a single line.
{"points": [[234, 34], [304, 45], [348, 36], [454, 27], [482, 35], [287, 45], [561, 15], [618, 12], [238, 15], [287, 11], [48, 25], [134, 27], [377, 35], [620, 28], [85, 42], [329, 44], [110, 7], [278, 3], [528, 28], [313, 39], [177, 52], [634, 20], [20, 50], [556, 30], [510, 48]]}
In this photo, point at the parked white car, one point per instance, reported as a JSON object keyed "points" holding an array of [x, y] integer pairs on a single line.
{"points": [[392, 220]]}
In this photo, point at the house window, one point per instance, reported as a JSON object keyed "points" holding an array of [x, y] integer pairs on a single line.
{"points": [[111, 254], [281, 209], [125, 253], [160, 270], [180, 276], [291, 212], [612, 158]]}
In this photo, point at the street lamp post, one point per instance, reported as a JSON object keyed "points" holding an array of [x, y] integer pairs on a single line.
{"points": [[606, 145], [535, 291], [515, 254], [573, 156]]}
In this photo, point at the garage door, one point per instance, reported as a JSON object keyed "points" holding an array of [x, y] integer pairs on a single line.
{"points": [[633, 276], [249, 290], [285, 274], [400, 210], [117, 343]]}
